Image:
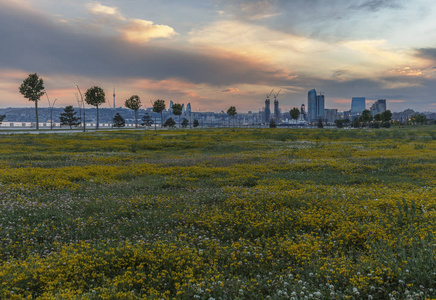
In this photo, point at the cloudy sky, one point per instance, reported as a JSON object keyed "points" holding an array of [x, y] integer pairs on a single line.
{"points": [[217, 53]]}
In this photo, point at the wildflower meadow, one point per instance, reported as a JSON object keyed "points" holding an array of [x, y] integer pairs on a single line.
{"points": [[219, 214]]}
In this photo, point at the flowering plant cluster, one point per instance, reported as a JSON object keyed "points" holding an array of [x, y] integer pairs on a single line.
{"points": [[219, 214]]}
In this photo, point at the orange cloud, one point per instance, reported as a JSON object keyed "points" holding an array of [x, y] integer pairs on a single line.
{"points": [[141, 31], [97, 8]]}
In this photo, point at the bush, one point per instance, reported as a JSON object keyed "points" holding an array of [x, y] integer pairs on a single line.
{"points": [[169, 123]]}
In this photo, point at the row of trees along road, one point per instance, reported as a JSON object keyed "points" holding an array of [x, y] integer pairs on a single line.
{"points": [[33, 89]]}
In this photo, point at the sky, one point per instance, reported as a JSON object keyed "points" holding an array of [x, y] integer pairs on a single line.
{"points": [[220, 53]]}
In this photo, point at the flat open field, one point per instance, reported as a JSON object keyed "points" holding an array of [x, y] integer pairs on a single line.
{"points": [[219, 214]]}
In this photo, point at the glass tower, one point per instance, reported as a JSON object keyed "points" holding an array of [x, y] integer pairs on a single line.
{"points": [[357, 105]]}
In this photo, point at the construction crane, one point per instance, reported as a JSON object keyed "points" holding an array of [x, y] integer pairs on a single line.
{"points": [[276, 95], [267, 96]]}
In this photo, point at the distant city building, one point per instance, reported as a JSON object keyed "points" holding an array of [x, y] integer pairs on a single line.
{"points": [[315, 106], [311, 105], [267, 114], [170, 109], [357, 105], [331, 115], [303, 113], [276, 110], [188, 108], [378, 107]]}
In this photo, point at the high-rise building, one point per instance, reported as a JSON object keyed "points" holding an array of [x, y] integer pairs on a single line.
{"points": [[378, 107], [303, 112], [170, 109], [320, 107], [331, 115], [357, 105], [267, 111], [315, 106], [276, 110], [311, 105], [188, 108]]}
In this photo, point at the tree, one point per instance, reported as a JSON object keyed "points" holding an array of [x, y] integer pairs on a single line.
{"points": [[232, 112], [146, 120], [118, 121], [32, 88], [272, 123], [366, 117], [356, 123], [295, 114], [320, 124], [2, 117], [419, 118], [195, 123], [377, 117], [169, 123], [339, 123], [95, 96], [177, 110], [386, 116], [134, 102], [68, 117], [158, 107], [185, 122]]}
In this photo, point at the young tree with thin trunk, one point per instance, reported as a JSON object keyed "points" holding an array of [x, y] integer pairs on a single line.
{"points": [[158, 107], [134, 102], [295, 114], [95, 96], [177, 110], [232, 112], [32, 88]]}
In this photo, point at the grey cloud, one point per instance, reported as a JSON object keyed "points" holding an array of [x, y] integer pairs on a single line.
{"points": [[427, 53], [31, 42], [375, 5]]}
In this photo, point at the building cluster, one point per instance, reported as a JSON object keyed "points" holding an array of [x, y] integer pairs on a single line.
{"points": [[316, 110]]}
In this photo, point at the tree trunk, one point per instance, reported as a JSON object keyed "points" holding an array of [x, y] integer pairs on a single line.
{"points": [[97, 116], [136, 118], [36, 112], [161, 120]]}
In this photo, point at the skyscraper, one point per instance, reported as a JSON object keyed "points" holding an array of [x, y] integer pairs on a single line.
{"points": [[311, 105], [378, 107], [267, 111], [320, 107], [357, 105], [315, 106], [276, 110]]}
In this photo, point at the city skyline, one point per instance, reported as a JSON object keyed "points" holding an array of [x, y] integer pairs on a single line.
{"points": [[214, 54]]}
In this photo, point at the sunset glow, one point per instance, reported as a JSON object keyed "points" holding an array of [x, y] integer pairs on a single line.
{"points": [[220, 53]]}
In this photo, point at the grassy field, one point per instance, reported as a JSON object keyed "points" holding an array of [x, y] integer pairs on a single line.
{"points": [[219, 214]]}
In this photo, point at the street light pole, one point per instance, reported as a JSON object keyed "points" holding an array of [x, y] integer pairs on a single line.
{"points": [[51, 109], [83, 104]]}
